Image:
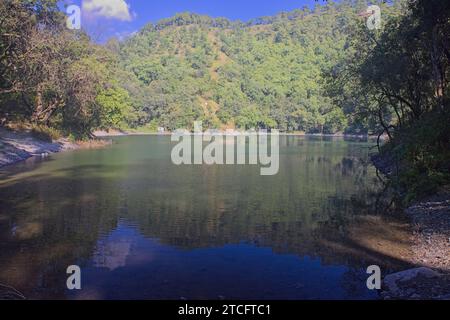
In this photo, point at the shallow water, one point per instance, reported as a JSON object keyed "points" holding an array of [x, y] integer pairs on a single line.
{"points": [[142, 228]]}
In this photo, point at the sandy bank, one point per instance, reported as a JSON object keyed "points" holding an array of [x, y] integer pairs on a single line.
{"points": [[19, 146]]}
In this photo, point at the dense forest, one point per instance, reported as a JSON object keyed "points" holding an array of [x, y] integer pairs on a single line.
{"points": [[312, 71], [266, 73]]}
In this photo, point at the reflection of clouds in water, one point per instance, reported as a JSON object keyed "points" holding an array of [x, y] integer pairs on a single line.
{"points": [[112, 252], [124, 246]]}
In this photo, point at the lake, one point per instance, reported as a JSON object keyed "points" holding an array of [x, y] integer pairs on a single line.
{"points": [[141, 227]]}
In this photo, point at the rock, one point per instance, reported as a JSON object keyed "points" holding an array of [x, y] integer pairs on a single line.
{"points": [[407, 275], [418, 283]]}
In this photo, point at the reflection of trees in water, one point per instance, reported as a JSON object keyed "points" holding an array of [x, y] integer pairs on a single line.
{"points": [[310, 208], [294, 213], [55, 223]]}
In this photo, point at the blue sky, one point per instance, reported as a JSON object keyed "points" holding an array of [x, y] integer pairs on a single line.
{"points": [[107, 18]]}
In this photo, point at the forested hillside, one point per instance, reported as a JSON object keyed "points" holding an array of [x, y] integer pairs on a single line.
{"points": [[266, 73]]}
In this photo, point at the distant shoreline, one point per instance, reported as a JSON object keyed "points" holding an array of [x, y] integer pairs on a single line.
{"points": [[116, 133], [16, 146]]}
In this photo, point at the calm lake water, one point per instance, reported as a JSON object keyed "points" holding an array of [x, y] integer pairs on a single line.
{"points": [[142, 228]]}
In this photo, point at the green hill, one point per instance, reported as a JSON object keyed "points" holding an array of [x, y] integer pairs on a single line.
{"points": [[266, 73]]}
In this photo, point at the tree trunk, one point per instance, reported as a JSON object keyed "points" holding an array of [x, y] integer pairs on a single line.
{"points": [[39, 106]]}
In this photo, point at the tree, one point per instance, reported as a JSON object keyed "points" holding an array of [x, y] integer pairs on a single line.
{"points": [[116, 107], [51, 74], [399, 77]]}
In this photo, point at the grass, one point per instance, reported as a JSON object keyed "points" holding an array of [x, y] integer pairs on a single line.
{"points": [[45, 133], [151, 128], [37, 131], [93, 144]]}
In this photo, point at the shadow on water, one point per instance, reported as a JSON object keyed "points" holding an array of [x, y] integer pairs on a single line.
{"points": [[141, 227], [28, 165]]}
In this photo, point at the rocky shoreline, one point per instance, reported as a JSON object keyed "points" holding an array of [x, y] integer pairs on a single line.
{"points": [[431, 225], [430, 220]]}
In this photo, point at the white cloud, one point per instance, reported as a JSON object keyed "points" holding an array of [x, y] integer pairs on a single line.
{"points": [[112, 9]]}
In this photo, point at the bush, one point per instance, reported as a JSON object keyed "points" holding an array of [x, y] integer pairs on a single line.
{"points": [[45, 133], [422, 150]]}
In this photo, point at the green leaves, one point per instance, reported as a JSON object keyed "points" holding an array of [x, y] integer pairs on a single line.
{"points": [[115, 106]]}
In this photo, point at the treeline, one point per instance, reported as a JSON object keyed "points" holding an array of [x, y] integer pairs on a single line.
{"points": [[399, 78], [55, 77]]}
